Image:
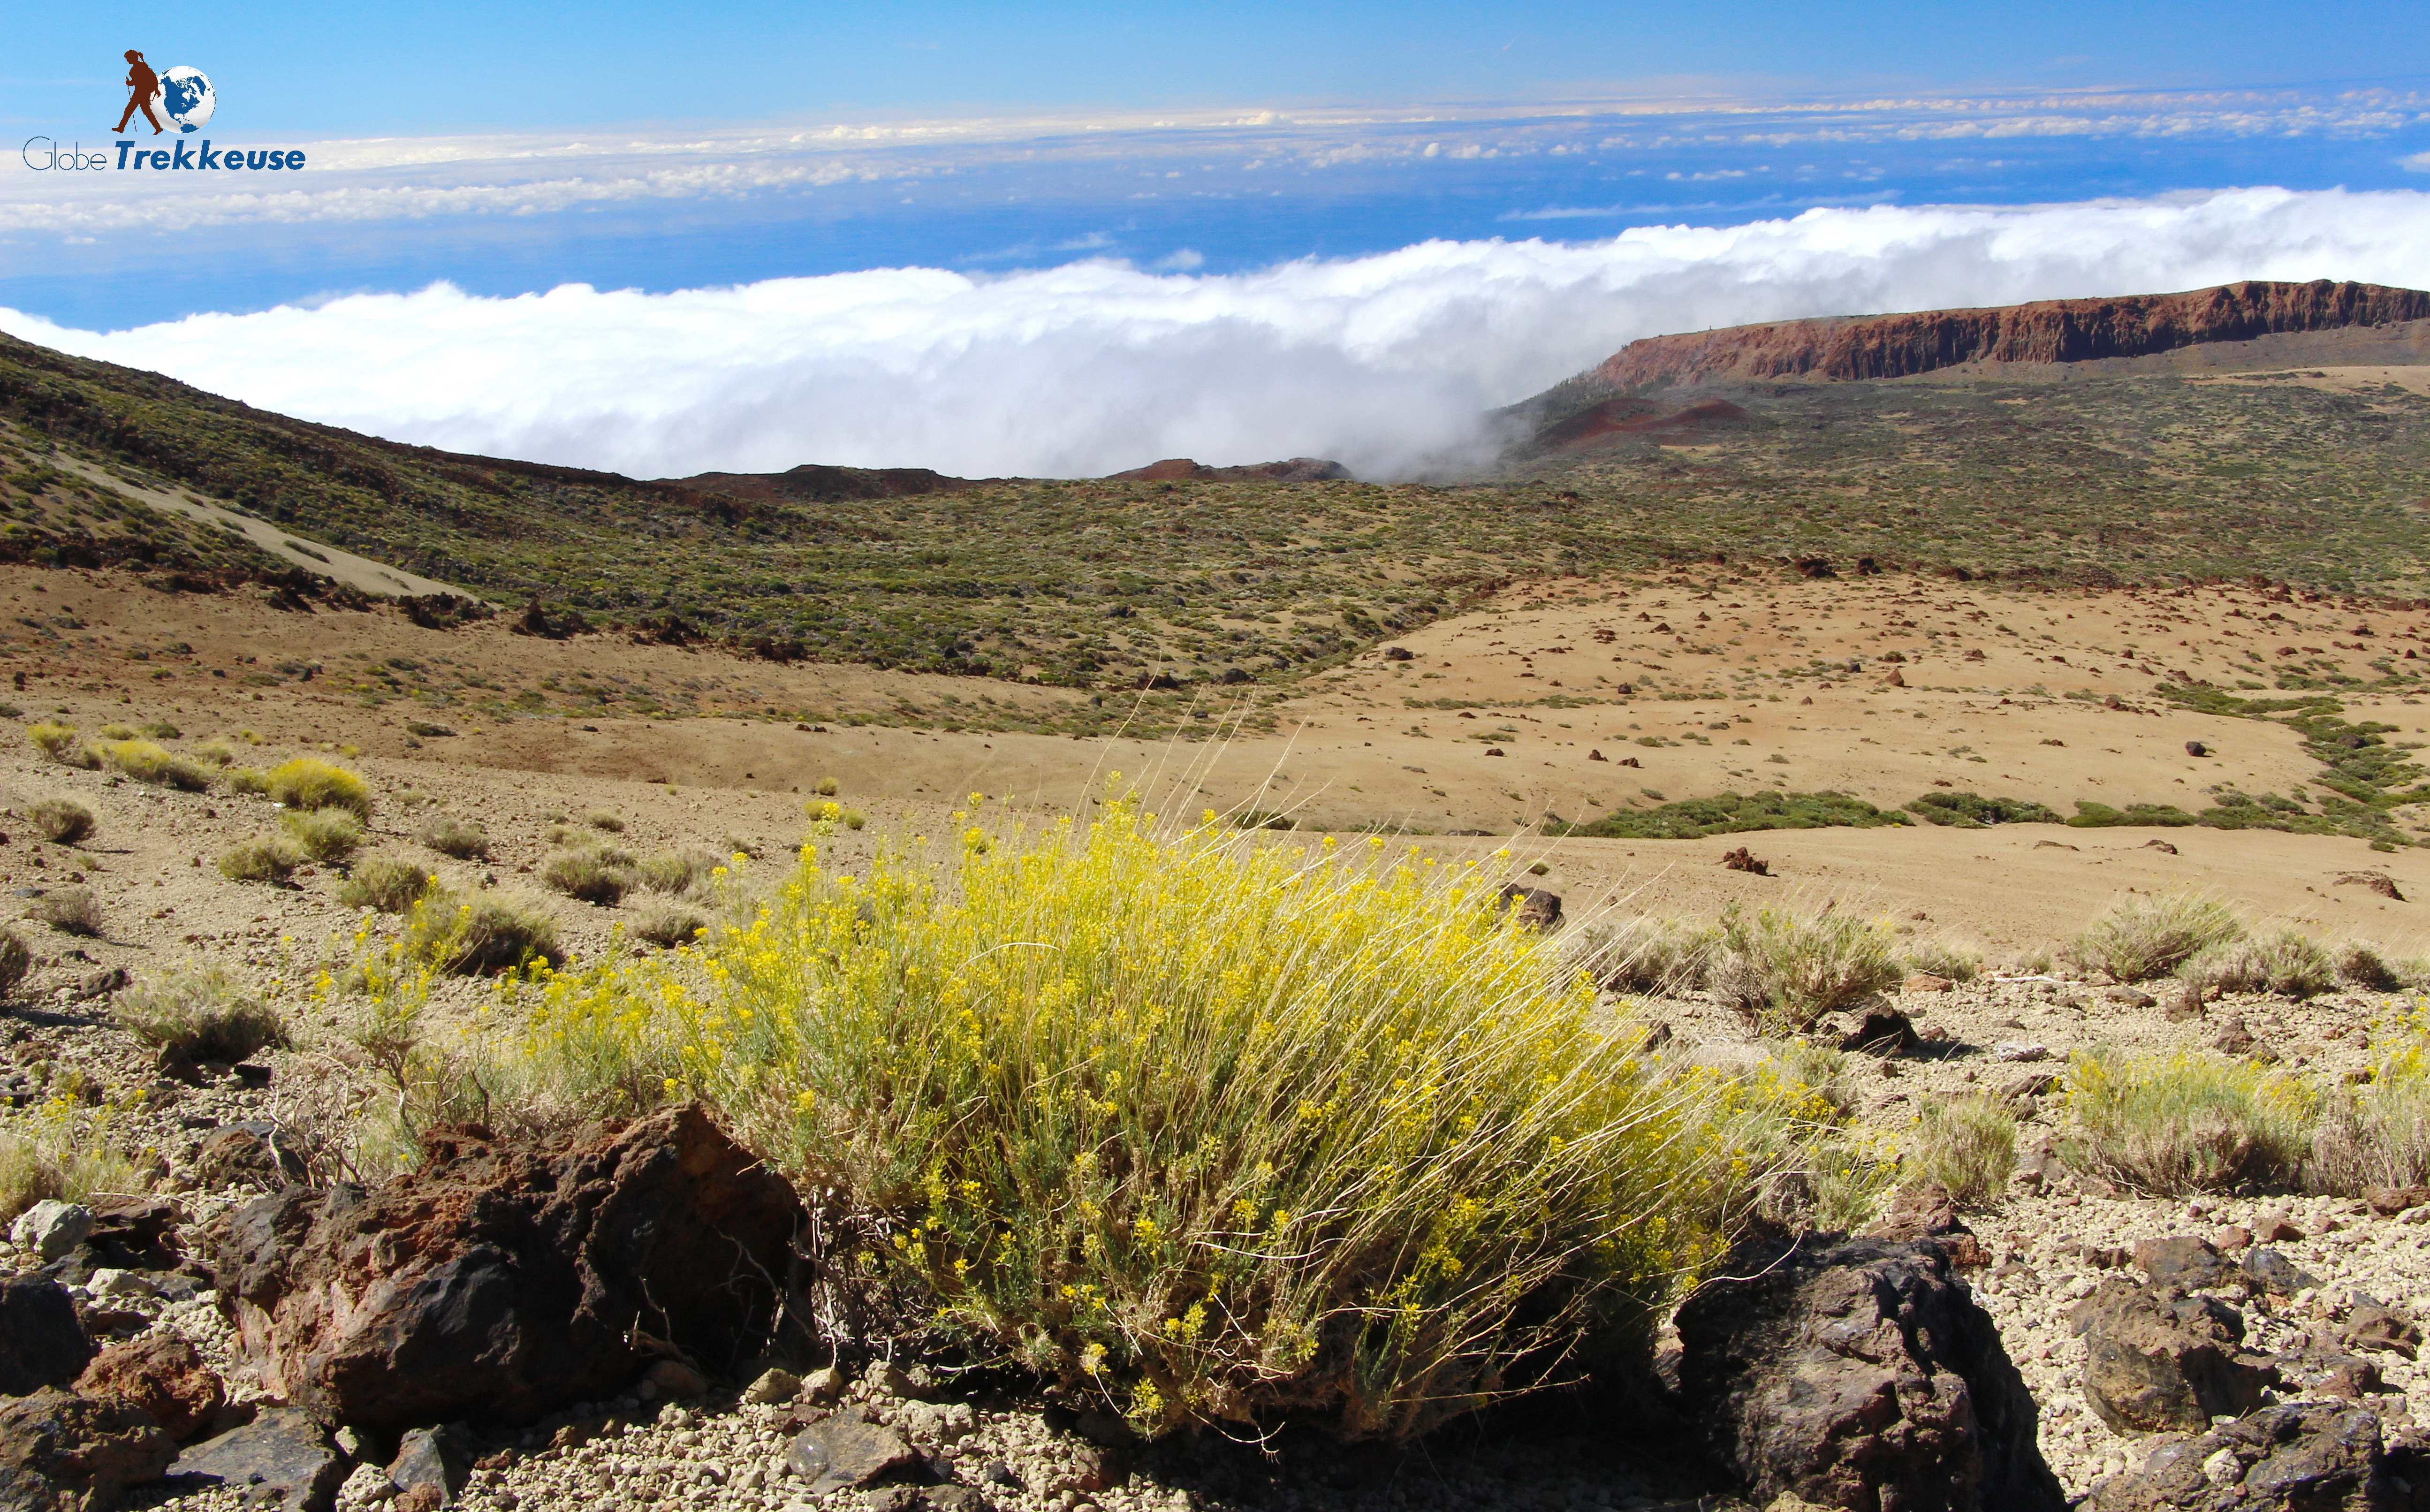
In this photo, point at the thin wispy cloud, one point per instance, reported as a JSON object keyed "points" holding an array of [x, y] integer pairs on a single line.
{"points": [[1387, 363], [531, 175]]}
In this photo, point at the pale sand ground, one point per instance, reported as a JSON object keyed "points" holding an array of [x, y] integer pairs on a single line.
{"points": [[1351, 750]]}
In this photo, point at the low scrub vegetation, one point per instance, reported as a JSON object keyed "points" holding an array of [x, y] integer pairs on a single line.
{"points": [[481, 935], [2144, 937], [157, 765], [460, 838], [60, 821], [1397, 1164], [309, 782], [1967, 1145], [1659, 957], [196, 1015], [1733, 813], [1967, 810], [60, 1152], [675, 873], [326, 835], [2287, 963], [668, 924], [591, 874], [60, 743], [15, 961], [69, 911], [1944, 958], [2174, 1124], [389, 884], [271, 858], [1785, 969]]}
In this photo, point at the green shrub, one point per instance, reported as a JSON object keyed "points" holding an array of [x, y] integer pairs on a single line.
{"points": [[307, 782], [163, 730], [60, 743], [198, 1014], [62, 821], [15, 961], [2378, 1134], [387, 883], [481, 936], [677, 871], [271, 858], [1966, 1144], [1202, 1127], [251, 781], [1967, 810], [596, 874], [458, 837], [326, 835], [217, 752], [161, 768], [827, 787], [61, 1151], [119, 732], [2362, 966], [69, 911], [1661, 957], [2168, 1125], [2286, 963], [1733, 813], [2090, 814], [604, 819], [1944, 958], [1786, 970], [853, 818], [2142, 937], [669, 924]]}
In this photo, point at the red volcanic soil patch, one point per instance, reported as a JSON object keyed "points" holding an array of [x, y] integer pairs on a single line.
{"points": [[1635, 417]]}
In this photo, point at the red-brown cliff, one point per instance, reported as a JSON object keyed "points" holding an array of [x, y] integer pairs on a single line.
{"points": [[2051, 330]]}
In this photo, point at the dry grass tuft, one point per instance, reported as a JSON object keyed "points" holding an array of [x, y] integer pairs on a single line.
{"points": [[1784, 969], [326, 835], [307, 782], [593, 874], [2188, 1122], [2287, 963], [2140, 937], [460, 838], [1967, 1144], [199, 1014], [389, 884], [69, 911], [271, 858], [62, 821]]}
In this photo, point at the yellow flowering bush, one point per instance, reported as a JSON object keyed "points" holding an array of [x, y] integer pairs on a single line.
{"points": [[2186, 1123], [1208, 1128]]}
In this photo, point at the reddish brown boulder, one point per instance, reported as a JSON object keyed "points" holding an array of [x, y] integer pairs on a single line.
{"points": [[1861, 1375], [506, 1281], [163, 1374], [62, 1453]]}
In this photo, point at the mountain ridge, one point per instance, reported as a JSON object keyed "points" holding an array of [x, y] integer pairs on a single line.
{"points": [[1844, 349]]}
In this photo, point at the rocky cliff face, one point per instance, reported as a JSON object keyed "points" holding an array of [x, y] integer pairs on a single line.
{"points": [[2050, 331]]}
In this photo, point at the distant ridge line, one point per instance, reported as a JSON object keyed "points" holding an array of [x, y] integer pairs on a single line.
{"points": [[1852, 348]]}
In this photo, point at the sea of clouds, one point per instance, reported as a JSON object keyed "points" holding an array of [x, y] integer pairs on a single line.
{"points": [[1387, 363]]}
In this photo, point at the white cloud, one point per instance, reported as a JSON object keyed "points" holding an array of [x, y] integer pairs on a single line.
{"points": [[2418, 163], [1385, 362]]}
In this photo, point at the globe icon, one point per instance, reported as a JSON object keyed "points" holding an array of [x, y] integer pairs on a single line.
{"points": [[186, 97]]}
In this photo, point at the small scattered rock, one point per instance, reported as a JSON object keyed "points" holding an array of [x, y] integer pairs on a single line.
{"points": [[2275, 1228], [41, 1342], [2381, 1328], [1742, 859], [1926, 982], [2132, 997], [52, 1228], [2160, 845], [252, 1154], [2308, 1456], [825, 1386], [2272, 1273], [1537, 909], [280, 1460], [844, 1453], [2195, 748], [2379, 882], [2184, 1261], [2234, 1039], [2390, 1201], [2019, 1052], [674, 1378], [773, 1386], [1880, 1030], [440, 1458]]}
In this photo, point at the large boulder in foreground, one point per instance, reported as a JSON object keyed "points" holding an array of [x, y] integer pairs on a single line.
{"points": [[63, 1453], [507, 1282], [1861, 1374], [2299, 1456], [2156, 1358], [41, 1342]]}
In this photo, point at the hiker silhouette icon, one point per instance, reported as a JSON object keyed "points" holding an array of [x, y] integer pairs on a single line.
{"points": [[144, 87]]}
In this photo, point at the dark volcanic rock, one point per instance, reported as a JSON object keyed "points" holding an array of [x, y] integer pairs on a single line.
{"points": [[2054, 330], [62, 1453], [41, 1343], [2307, 1456], [2182, 1260], [162, 1373], [1180, 469], [281, 1460], [1535, 907], [1861, 1374], [506, 1282], [2155, 1359], [843, 1453], [440, 1458]]}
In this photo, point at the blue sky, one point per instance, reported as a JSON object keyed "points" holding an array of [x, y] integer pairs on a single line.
{"points": [[1505, 184]]}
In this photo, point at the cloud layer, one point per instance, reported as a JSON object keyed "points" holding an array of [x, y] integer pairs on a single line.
{"points": [[1386, 363]]}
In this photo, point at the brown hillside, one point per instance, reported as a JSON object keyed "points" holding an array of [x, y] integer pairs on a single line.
{"points": [[2048, 331]]}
